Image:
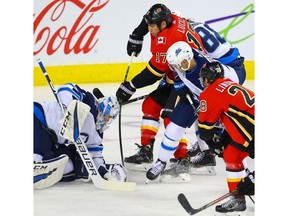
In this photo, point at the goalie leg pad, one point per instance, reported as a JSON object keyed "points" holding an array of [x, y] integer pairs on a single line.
{"points": [[49, 172]]}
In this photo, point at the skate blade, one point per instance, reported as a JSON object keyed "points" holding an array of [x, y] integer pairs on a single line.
{"points": [[206, 170], [181, 178], [144, 167]]}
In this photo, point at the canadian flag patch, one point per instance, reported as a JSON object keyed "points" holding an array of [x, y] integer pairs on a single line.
{"points": [[161, 40]]}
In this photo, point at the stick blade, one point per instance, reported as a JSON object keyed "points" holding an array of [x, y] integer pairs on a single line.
{"points": [[186, 205]]}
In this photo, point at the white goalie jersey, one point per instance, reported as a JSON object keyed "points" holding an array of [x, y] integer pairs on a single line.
{"points": [[53, 114]]}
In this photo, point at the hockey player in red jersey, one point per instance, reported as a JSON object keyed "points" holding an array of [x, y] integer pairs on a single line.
{"points": [[165, 29], [233, 105]]}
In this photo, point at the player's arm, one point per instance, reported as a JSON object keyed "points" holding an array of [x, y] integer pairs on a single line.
{"points": [[209, 114], [146, 77]]}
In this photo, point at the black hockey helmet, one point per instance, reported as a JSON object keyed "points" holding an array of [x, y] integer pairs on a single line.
{"points": [[158, 13], [211, 71]]}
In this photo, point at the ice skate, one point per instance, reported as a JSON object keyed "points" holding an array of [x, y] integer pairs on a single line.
{"points": [[235, 203], [156, 169], [194, 150], [205, 158], [142, 160], [203, 163], [177, 172]]}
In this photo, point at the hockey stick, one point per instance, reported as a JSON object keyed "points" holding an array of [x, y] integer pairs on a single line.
{"points": [[120, 109], [135, 99], [98, 94], [190, 210], [50, 83], [70, 129]]}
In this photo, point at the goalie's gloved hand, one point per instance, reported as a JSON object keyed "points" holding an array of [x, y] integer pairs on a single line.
{"points": [[125, 91], [247, 185], [113, 172], [134, 44]]}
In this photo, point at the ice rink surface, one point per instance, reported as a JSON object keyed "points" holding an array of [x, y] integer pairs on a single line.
{"points": [[155, 198]]}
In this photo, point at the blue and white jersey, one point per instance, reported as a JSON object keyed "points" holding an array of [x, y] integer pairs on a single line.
{"points": [[53, 113], [216, 46]]}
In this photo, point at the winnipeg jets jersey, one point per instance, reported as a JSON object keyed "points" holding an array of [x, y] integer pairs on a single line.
{"points": [[217, 47]]}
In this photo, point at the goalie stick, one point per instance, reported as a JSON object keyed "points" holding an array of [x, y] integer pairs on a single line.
{"points": [[70, 129], [190, 210]]}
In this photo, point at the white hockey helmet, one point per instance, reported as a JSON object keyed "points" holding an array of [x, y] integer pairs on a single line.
{"points": [[178, 52]]}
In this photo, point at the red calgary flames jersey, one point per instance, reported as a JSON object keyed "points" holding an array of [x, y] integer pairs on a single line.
{"points": [[178, 31], [233, 104]]}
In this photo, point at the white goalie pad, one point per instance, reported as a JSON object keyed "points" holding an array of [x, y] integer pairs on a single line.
{"points": [[49, 172]]}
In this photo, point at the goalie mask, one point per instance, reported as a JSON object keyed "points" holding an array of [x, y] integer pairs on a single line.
{"points": [[108, 109]]}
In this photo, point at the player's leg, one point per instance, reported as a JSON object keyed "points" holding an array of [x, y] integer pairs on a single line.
{"points": [[151, 109], [235, 171]]}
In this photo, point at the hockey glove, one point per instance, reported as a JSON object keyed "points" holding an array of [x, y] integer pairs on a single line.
{"points": [[216, 145], [124, 92], [246, 186], [134, 44], [182, 90], [113, 172]]}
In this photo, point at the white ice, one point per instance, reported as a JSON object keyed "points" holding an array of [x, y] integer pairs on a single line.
{"points": [[155, 198]]}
